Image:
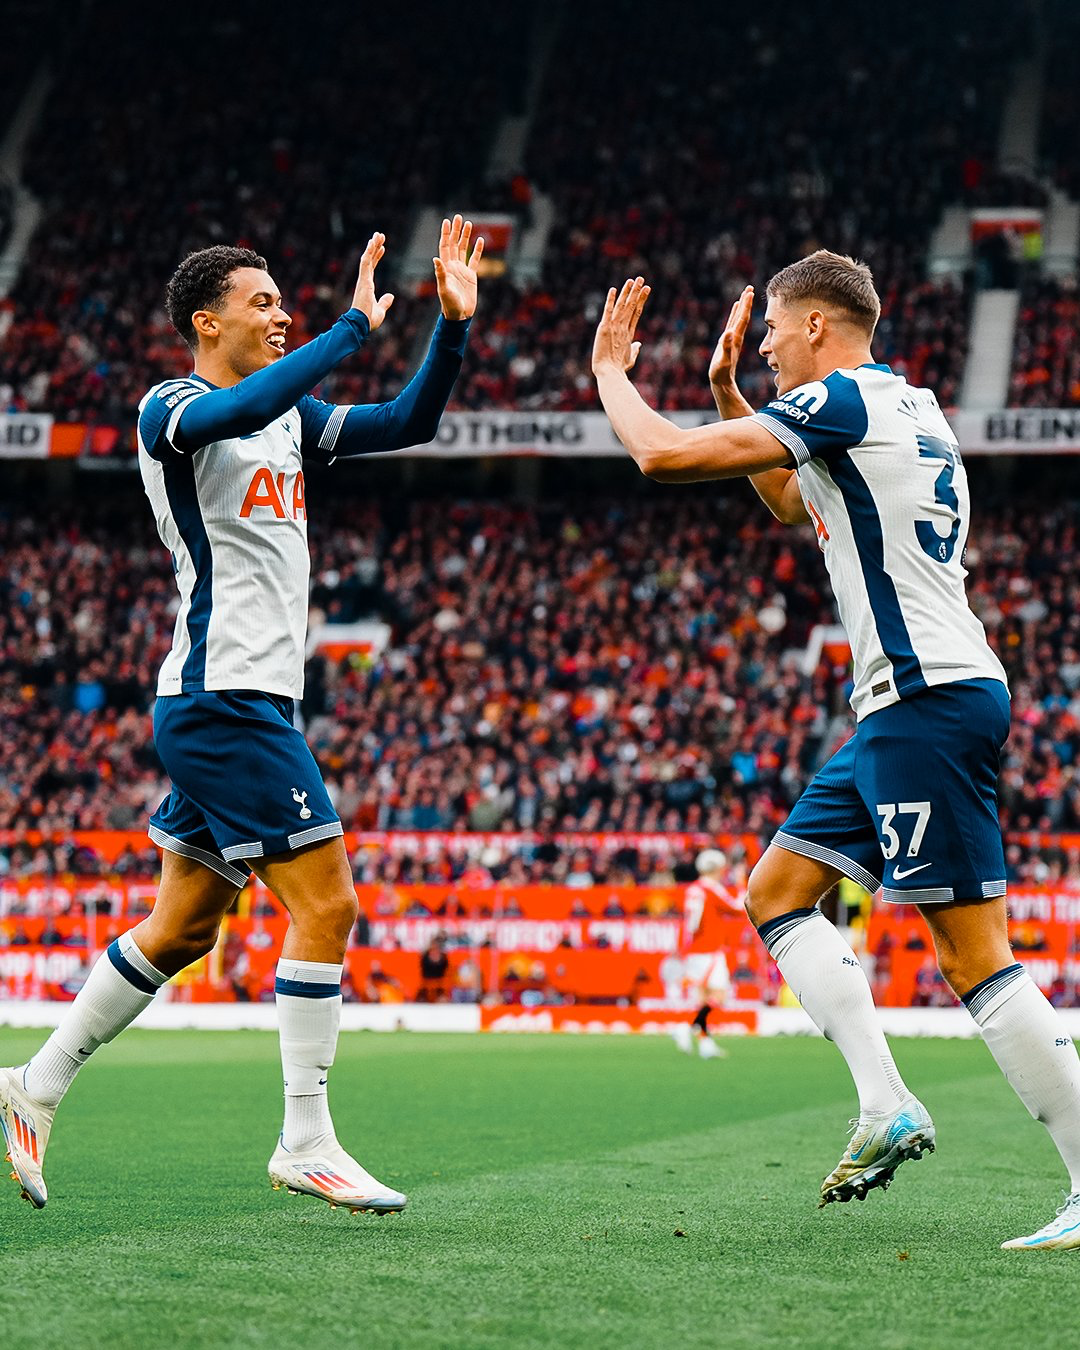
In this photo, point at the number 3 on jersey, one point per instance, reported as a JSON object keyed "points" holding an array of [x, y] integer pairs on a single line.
{"points": [[890, 839], [939, 547]]}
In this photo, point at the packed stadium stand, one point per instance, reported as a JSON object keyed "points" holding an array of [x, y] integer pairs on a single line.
{"points": [[703, 173], [1046, 359], [129, 187], [607, 663], [724, 182]]}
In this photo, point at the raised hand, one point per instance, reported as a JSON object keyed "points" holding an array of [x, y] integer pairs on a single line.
{"points": [[364, 294], [455, 271], [728, 349], [614, 344]]}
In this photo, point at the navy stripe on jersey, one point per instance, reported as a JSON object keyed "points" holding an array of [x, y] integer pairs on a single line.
{"points": [[880, 589], [184, 503]]}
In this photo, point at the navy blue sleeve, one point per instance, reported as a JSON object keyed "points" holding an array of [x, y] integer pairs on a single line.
{"points": [[221, 414], [331, 431], [819, 420]]}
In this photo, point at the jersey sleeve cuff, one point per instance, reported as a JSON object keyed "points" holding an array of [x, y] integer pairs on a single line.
{"points": [[359, 322], [785, 435], [330, 433], [452, 333]]}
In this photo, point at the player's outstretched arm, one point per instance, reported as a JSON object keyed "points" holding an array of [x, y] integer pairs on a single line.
{"points": [[413, 417], [266, 394], [660, 449]]}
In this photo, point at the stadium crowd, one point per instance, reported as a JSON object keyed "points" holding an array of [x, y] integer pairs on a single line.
{"points": [[128, 189], [561, 668], [1046, 358], [700, 181], [704, 183]]}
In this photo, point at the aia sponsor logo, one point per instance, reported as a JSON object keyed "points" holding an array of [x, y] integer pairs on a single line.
{"points": [[273, 494], [819, 525]]}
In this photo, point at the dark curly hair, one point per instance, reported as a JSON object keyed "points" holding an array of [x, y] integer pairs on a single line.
{"points": [[202, 282]]}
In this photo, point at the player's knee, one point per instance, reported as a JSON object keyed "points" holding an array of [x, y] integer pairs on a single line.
{"points": [[763, 901], [179, 949], [340, 912], [957, 967]]}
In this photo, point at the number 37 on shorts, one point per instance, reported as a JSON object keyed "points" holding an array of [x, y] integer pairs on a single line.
{"points": [[890, 838], [910, 802]]}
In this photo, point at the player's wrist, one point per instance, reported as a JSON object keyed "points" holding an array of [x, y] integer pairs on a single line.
{"points": [[358, 320], [607, 369]]}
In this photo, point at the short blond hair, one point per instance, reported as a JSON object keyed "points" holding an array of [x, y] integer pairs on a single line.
{"points": [[835, 280]]}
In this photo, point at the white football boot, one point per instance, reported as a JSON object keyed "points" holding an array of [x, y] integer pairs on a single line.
{"points": [[878, 1146], [682, 1033], [26, 1125], [329, 1173], [708, 1049], [1062, 1233]]}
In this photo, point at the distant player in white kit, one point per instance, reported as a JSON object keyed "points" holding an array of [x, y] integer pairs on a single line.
{"points": [[221, 453], [708, 976], [911, 800]]}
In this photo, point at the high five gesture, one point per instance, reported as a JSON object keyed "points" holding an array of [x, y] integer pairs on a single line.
{"points": [[455, 271], [364, 294]]}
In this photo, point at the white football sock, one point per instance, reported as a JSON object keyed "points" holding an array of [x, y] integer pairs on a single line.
{"points": [[827, 979], [309, 1015], [1035, 1053], [120, 986]]}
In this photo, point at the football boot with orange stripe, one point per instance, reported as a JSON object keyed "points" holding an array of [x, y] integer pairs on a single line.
{"points": [[330, 1174], [26, 1125]]}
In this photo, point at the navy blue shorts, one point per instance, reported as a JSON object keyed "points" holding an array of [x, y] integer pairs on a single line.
{"points": [[244, 782], [911, 800]]}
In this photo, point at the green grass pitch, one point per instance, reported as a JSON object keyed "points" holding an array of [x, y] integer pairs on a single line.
{"points": [[563, 1192]]}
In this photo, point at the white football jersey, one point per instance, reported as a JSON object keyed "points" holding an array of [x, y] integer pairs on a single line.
{"points": [[233, 515], [880, 472]]}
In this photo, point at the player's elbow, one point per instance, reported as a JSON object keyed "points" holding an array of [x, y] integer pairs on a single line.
{"points": [[425, 432], [787, 514], [650, 465], [792, 511], [415, 431], [656, 462]]}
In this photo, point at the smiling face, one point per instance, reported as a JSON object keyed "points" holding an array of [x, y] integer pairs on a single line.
{"points": [[248, 328], [792, 334]]}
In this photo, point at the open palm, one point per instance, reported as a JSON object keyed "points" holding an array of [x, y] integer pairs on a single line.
{"points": [[455, 271]]}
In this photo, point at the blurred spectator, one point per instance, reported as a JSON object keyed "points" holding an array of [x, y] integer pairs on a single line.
{"points": [[434, 969], [381, 987]]}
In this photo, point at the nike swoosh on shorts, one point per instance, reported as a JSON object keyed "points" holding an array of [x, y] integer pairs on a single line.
{"points": [[899, 876]]}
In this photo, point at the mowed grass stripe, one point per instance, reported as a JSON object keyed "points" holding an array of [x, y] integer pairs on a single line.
{"points": [[547, 1177]]}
